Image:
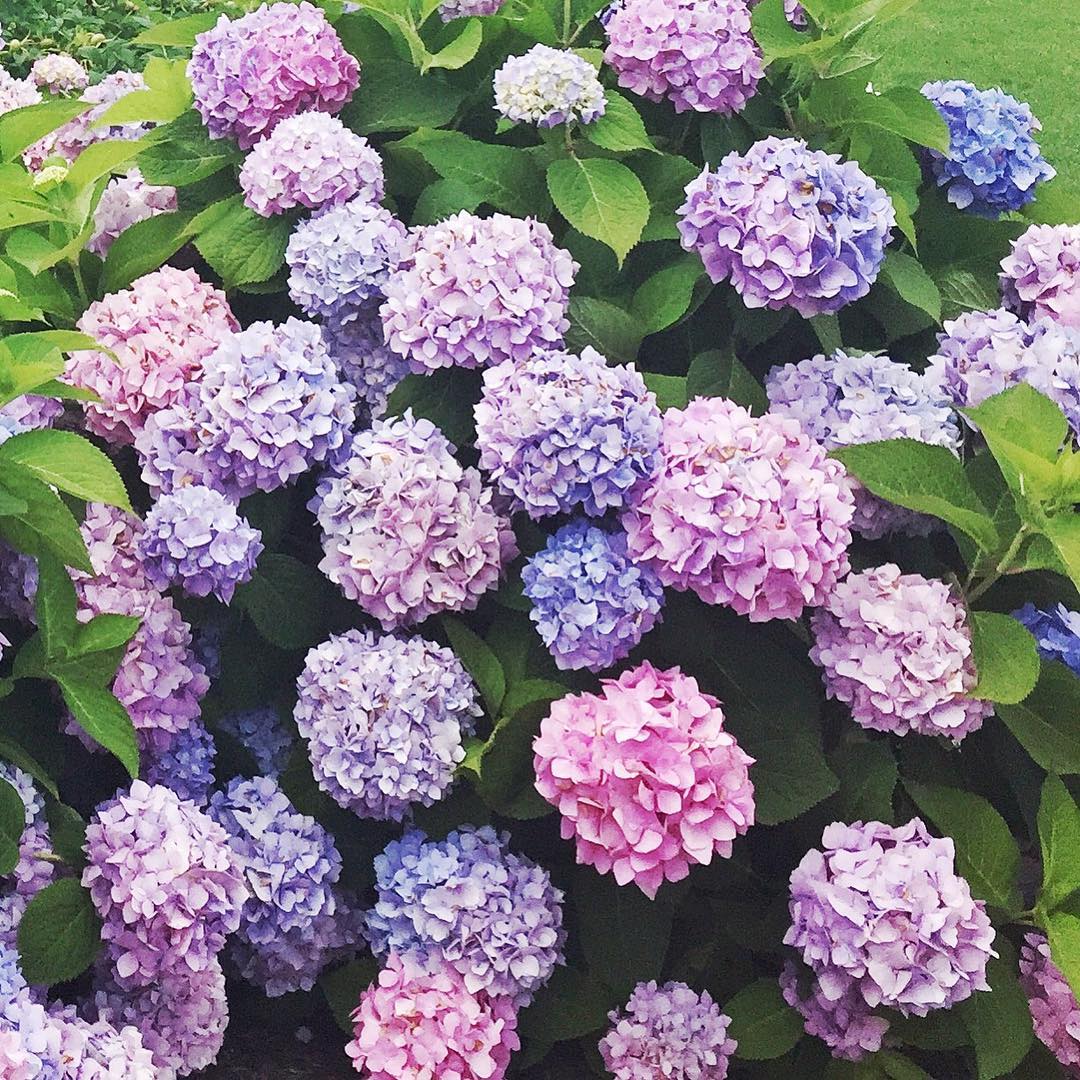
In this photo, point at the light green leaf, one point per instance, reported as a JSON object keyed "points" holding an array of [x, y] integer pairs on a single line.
{"points": [[143, 247], [1047, 722], [1063, 931], [59, 934], [54, 604], [914, 285], [459, 52], [845, 103], [68, 462], [620, 128], [47, 523], [670, 390], [182, 153], [664, 298], [178, 32], [479, 660], [1006, 658], [99, 159], [1059, 839], [243, 247], [763, 1024], [772, 31], [22, 127], [720, 373], [168, 95], [104, 719]]}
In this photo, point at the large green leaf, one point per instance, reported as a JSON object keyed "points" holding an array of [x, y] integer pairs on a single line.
{"points": [[287, 600], [1047, 722], [12, 823], [763, 1024], [21, 127], [243, 247], [68, 462], [904, 111], [868, 773], [46, 523], [479, 660], [664, 298], [914, 285], [59, 934], [104, 719], [720, 373], [182, 153], [999, 1022], [1006, 658], [608, 328], [573, 1004], [394, 98], [1059, 839], [144, 247], [620, 127], [54, 604], [178, 32]]}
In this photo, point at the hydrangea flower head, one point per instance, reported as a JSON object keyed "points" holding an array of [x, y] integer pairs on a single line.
{"points": [[99, 1051], [310, 160], [882, 911], [31, 411], [645, 777], [558, 431], [262, 734], [160, 331], [37, 1038], [16, 93], [126, 201], [547, 86], [18, 584], [462, 9], [896, 649], [843, 400], [165, 883], [184, 763], [340, 258], [994, 163], [668, 1031], [745, 511], [407, 531], [1054, 1009], [790, 226], [469, 903], [1056, 633], [251, 73], [590, 603], [473, 291], [58, 73], [195, 538], [1040, 277], [415, 1024], [385, 719], [697, 54], [366, 362]]}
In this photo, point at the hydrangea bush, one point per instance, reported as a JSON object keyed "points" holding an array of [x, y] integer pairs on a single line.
{"points": [[536, 541]]}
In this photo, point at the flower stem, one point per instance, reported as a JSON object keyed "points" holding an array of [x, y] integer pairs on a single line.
{"points": [[1002, 567]]}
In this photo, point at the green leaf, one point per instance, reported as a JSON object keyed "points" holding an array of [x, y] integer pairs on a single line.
{"points": [[665, 178], [396, 99], [143, 247], [620, 128], [178, 32], [479, 660], [914, 285], [921, 477], [18, 377], [1063, 531], [343, 986], [50, 523], [442, 199], [600, 198], [1006, 658], [67, 833], [1059, 839], [55, 604], [670, 390], [168, 95], [13, 752], [573, 1004], [104, 719], [100, 159], [961, 291], [1047, 723], [459, 52], [827, 330], [772, 31], [12, 823], [287, 601], [68, 462], [1063, 931], [986, 853], [507, 778], [22, 127], [867, 772], [445, 397], [605, 326], [844, 103], [720, 373], [999, 1022], [763, 1024], [59, 934], [243, 247], [664, 298], [183, 153]]}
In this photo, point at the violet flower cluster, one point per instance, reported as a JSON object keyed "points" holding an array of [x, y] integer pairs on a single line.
{"points": [[384, 719], [58, 73], [249, 74], [473, 292], [745, 511], [99, 1051], [547, 86], [16, 93], [126, 201], [698, 54], [1054, 1008], [646, 780], [184, 763], [261, 732], [407, 531], [668, 1031], [591, 604], [557, 431], [470, 904], [1056, 633], [1040, 277], [882, 911], [790, 226], [366, 363], [843, 400], [462, 9]]}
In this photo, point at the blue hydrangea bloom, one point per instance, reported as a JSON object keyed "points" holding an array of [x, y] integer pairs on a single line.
{"points": [[1056, 632], [33, 803], [591, 603], [39, 1037], [264, 736], [185, 763], [366, 363], [993, 164], [469, 902]]}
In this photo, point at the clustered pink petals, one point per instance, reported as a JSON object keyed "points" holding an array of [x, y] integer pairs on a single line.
{"points": [[745, 511], [896, 648], [126, 201], [645, 776], [1054, 1009], [1040, 277]]}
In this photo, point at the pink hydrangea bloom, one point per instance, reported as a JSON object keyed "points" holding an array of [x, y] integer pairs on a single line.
{"points": [[15, 1063], [1040, 277], [126, 201], [160, 329], [896, 648], [1054, 1009], [417, 1025], [58, 73], [745, 511], [645, 776], [16, 93]]}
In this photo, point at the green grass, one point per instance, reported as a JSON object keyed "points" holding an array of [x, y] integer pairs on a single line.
{"points": [[1027, 47]]}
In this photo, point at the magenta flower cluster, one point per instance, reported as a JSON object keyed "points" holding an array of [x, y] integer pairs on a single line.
{"points": [[1054, 1009], [126, 201]]}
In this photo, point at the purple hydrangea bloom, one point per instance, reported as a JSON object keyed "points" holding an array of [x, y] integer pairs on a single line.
{"points": [[993, 164], [341, 257], [473, 292], [251, 73], [548, 86], [843, 400], [18, 584], [668, 1031], [32, 411], [366, 363], [35, 869], [1040, 277], [558, 431], [184, 763], [882, 911], [790, 226], [1056, 632], [58, 73], [407, 531], [699, 54], [310, 160], [262, 734], [846, 1025], [1054, 1009], [165, 883], [16, 93], [195, 538], [462, 9], [99, 1051], [590, 603], [470, 903], [384, 719], [22, 1014], [126, 201], [33, 803]]}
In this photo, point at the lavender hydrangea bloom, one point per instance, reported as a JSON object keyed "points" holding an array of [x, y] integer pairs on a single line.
{"points": [[590, 603], [385, 719], [16, 93], [699, 54], [99, 1051], [35, 868], [470, 903], [993, 164], [473, 291], [165, 883], [366, 363], [1056, 632], [668, 1031], [32, 411], [33, 802], [195, 538], [790, 226], [1040, 277], [126, 201], [548, 86], [558, 431], [262, 734], [843, 400], [462, 9], [58, 73], [251, 73], [1054, 1009], [341, 257], [18, 584], [184, 763], [22, 1014], [881, 910], [310, 160], [407, 531]]}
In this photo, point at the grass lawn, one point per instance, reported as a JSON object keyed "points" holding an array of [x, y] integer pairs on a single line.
{"points": [[1030, 48]]}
